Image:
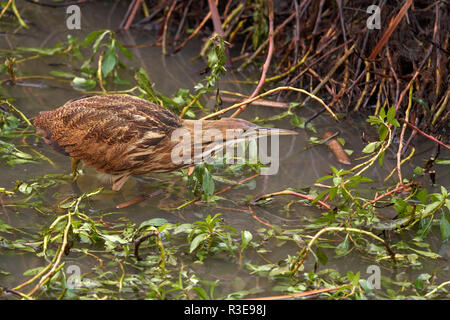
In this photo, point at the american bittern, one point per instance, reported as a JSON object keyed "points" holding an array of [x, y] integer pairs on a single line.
{"points": [[123, 135]]}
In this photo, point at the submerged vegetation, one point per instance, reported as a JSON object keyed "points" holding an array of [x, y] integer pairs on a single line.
{"points": [[401, 85]]}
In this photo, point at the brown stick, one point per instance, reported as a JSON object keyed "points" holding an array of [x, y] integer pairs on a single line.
{"points": [[392, 26], [337, 149]]}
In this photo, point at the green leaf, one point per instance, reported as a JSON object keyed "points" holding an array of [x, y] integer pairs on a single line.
{"points": [[399, 204], [382, 132], [322, 256], [431, 207], [83, 83], [353, 278], [343, 247], [298, 122], [390, 116], [418, 284], [114, 238], [428, 254], [197, 241], [246, 237], [109, 60], [380, 159], [443, 161], [61, 74], [127, 53], [201, 293], [91, 37], [422, 196], [25, 188], [419, 171], [98, 40], [207, 184], [445, 226], [382, 113], [32, 272], [155, 222], [323, 178], [371, 147], [5, 227], [42, 51]]}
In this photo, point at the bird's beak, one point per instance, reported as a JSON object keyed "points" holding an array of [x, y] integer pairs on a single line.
{"points": [[263, 131]]}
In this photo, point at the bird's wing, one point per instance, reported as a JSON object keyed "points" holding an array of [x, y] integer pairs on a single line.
{"points": [[111, 133]]}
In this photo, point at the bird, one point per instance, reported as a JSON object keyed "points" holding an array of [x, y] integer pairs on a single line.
{"points": [[123, 135]]}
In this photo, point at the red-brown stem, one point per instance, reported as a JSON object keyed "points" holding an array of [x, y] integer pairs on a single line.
{"points": [[258, 219], [132, 14], [237, 183], [384, 195], [426, 135], [266, 63]]}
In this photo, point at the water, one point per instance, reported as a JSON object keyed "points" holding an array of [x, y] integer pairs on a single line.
{"points": [[300, 165]]}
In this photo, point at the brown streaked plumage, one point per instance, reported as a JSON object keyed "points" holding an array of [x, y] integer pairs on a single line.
{"points": [[123, 135]]}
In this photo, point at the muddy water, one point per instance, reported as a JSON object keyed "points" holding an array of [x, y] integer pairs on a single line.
{"points": [[300, 165]]}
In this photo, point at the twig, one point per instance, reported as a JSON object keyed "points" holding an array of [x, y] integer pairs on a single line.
{"points": [[384, 195], [132, 14], [259, 102], [437, 288], [258, 219], [266, 42], [426, 135], [269, 92], [299, 295], [392, 26], [402, 134], [193, 34], [166, 21], [292, 193], [266, 63], [183, 19], [306, 250]]}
